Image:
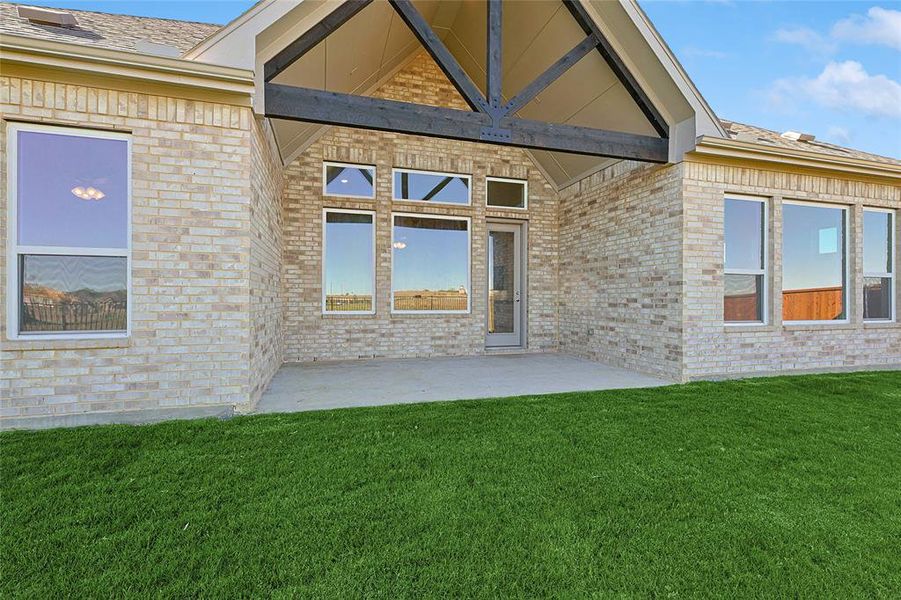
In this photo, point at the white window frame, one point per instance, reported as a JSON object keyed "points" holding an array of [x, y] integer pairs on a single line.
{"points": [[845, 257], [395, 198], [468, 264], [325, 212], [765, 271], [525, 192], [893, 215], [14, 250], [326, 164]]}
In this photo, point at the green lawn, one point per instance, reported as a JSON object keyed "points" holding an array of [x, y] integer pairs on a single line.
{"points": [[767, 488]]}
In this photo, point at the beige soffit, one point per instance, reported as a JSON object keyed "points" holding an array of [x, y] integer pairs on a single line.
{"points": [[117, 63], [734, 149]]}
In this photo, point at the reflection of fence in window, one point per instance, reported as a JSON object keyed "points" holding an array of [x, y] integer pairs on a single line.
{"points": [[429, 301], [47, 315], [815, 304], [347, 303]]}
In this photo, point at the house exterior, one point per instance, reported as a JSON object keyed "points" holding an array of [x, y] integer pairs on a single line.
{"points": [[188, 207]]}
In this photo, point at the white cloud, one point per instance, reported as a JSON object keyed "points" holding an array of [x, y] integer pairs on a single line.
{"points": [[806, 38], [881, 26], [840, 135], [846, 86]]}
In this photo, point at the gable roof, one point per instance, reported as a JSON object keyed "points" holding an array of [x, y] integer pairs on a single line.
{"points": [[107, 30]]}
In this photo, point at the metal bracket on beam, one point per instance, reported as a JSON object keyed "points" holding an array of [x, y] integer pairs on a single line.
{"points": [[496, 134]]}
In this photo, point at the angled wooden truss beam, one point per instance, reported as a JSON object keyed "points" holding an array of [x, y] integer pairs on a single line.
{"points": [[618, 67]]}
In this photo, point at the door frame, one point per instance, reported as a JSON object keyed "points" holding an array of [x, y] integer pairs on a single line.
{"points": [[523, 227]]}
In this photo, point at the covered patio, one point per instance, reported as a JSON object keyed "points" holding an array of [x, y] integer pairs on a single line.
{"points": [[375, 382]]}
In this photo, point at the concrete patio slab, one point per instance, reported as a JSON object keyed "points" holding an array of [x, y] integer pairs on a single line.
{"points": [[375, 382]]}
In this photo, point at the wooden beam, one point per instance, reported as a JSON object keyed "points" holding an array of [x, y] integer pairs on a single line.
{"points": [[437, 189], [311, 37], [495, 50], [332, 108], [551, 74], [442, 56], [618, 67]]}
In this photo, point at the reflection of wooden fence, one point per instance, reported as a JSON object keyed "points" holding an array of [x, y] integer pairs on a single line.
{"points": [[816, 304], [430, 301], [348, 303], [741, 307], [47, 315]]}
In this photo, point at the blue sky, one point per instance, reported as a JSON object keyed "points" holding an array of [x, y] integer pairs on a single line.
{"points": [[828, 68]]}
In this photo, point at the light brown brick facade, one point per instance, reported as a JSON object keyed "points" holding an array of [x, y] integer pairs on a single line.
{"points": [[624, 267]]}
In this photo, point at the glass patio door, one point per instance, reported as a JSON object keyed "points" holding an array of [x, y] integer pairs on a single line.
{"points": [[504, 285]]}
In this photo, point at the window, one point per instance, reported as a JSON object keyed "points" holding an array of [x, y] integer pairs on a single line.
{"points": [[507, 193], [430, 264], [69, 215], [350, 181], [878, 264], [744, 242], [814, 262], [348, 262], [423, 186]]}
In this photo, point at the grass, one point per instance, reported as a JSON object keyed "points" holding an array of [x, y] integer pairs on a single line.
{"points": [[763, 488]]}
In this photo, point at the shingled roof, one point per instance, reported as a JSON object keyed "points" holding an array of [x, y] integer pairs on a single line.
{"points": [[111, 31], [759, 135]]}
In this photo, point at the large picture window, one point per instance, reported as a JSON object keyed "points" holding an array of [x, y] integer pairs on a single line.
{"points": [[814, 262], [348, 262], [69, 215], [744, 235], [430, 264], [878, 264], [425, 186]]}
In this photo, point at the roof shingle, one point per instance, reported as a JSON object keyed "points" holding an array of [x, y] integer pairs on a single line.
{"points": [[111, 31]]}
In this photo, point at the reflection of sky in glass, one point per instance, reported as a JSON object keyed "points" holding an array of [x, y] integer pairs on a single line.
{"points": [[349, 181], [806, 261], [433, 188], [877, 228], [49, 166], [436, 255], [744, 234], [74, 273], [348, 254]]}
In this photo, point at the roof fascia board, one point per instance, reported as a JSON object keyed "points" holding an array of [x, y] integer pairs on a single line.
{"points": [[119, 63], [674, 68], [708, 146]]}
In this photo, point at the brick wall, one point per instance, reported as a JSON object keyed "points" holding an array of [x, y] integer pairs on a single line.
{"points": [[266, 247], [309, 335], [620, 268], [713, 349], [191, 338]]}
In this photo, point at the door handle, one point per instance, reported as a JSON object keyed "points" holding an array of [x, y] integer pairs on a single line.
{"points": [[516, 296]]}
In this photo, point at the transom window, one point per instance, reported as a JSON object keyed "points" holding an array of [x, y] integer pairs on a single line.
{"points": [[814, 262], [744, 247], [507, 193], [878, 264], [348, 261], [425, 186], [430, 264], [69, 215], [349, 181]]}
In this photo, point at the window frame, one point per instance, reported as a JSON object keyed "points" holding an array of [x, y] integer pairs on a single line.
{"points": [[14, 250], [525, 193], [893, 215], [846, 257], [352, 211], [327, 163], [394, 198], [468, 221], [765, 271]]}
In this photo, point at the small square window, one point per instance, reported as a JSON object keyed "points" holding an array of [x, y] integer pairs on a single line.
{"points": [[349, 181], [507, 193]]}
